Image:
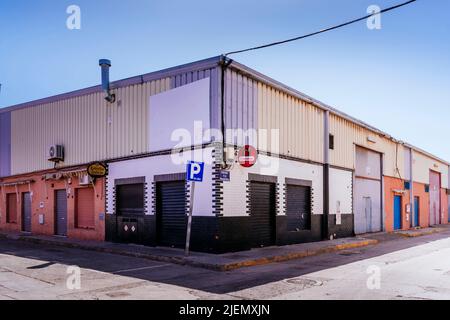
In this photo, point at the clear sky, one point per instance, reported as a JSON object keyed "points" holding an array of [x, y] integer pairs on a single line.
{"points": [[396, 78]]}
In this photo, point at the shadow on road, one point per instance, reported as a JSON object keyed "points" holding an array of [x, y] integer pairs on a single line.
{"points": [[201, 279]]}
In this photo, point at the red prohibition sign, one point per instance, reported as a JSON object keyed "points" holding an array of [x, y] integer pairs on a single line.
{"points": [[247, 156]]}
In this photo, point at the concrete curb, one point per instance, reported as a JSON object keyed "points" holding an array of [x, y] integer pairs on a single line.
{"points": [[419, 233], [294, 255], [181, 260]]}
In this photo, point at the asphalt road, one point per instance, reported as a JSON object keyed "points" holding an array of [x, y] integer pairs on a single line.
{"points": [[406, 268]]}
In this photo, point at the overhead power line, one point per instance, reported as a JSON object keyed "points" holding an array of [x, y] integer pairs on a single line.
{"points": [[323, 30]]}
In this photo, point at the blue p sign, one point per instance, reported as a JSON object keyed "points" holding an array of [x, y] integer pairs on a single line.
{"points": [[194, 171]]}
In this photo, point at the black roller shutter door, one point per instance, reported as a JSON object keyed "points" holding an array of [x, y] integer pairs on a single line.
{"points": [[262, 211], [171, 213], [298, 207]]}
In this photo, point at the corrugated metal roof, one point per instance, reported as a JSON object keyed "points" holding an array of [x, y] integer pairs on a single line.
{"points": [[208, 63]]}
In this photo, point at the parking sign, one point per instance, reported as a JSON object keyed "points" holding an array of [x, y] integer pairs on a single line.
{"points": [[194, 171]]}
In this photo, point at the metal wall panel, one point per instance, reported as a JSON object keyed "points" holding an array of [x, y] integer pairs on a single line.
{"points": [[241, 108], [422, 165], [300, 125], [368, 164], [435, 198], [367, 194], [214, 74], [348, 134], [127, 118], [367, 206], [78, 123], [5, 144]]}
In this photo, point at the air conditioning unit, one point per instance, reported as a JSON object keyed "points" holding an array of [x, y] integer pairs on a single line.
{"points": [[56, 153], [85, 180]]}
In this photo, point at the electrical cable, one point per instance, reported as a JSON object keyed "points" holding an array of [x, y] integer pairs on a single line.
{"points": [[321, 31]]}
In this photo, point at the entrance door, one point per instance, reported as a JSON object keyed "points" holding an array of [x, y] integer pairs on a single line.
{"points": [[60, 213], [171, 213], [397, 212], [435, 198], [262, 212], [416, 211], [26, 212]]}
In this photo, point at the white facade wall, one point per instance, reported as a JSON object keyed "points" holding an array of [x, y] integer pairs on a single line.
{"points": [[341, 191], [158, 165], [235, 191]]}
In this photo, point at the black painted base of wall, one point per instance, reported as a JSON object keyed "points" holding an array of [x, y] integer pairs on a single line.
{"points": [[228, 234], [343, 230]]}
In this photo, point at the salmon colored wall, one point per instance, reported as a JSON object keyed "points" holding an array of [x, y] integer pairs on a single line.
{"points": [[444, 207], [43, 193], [391, 184], [424, 204]]}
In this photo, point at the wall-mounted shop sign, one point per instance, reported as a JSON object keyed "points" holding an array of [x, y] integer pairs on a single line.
{"points": [[97, 170]]}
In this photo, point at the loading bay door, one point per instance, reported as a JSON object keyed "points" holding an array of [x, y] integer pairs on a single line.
{"points": [[262, 213], [367, 193], [171, 216]]}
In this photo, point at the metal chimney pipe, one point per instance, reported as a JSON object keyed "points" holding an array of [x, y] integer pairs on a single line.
{"points": [[105, 64]]}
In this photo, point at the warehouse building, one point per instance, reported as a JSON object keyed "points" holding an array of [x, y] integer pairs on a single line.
{"points": [[319, 173]]}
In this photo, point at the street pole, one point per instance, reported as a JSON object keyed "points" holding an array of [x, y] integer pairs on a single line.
{"points": [[189, 225]]}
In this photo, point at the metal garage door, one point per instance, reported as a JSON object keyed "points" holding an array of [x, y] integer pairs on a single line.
{"points": [[61, 213], [171, 213], [298, 207], [435, 198], [262, 211], [26, 212], [367, 191]]}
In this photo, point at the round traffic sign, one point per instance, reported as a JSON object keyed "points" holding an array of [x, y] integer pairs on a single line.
{"points": [[247, 156]]}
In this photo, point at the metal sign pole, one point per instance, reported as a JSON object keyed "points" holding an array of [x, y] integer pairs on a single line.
{"points": [[189, 225]]}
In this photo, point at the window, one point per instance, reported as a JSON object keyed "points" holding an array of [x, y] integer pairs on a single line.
{"points": [[85, 208], [331, 142], [298, 207], [130, 199], [11, 208]]}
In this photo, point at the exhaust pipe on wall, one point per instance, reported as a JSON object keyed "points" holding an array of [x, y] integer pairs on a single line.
{"points": [[105, 64]]}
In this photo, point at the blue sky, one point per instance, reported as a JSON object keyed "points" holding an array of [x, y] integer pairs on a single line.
{"points": [[396, 78]]}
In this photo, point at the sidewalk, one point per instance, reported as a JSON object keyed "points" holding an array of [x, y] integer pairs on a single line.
{"points": [[221, 262]]}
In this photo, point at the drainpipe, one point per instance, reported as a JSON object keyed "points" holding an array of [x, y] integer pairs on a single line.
{"points": [[326, 177], [411, 189], [224, 63]]}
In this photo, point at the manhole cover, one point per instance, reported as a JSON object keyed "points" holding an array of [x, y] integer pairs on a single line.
{"points": [[305, 283]]}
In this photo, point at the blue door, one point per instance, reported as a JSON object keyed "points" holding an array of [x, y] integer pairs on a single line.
{"points": [[416, 212], [397, 212]]}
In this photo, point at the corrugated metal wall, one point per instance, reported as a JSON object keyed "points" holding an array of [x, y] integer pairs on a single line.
{"points": [[5, 144], [347, 135], [127, 118], [241, 107], [300, 125], [78, 123], [90, 129], [422, 165]]}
